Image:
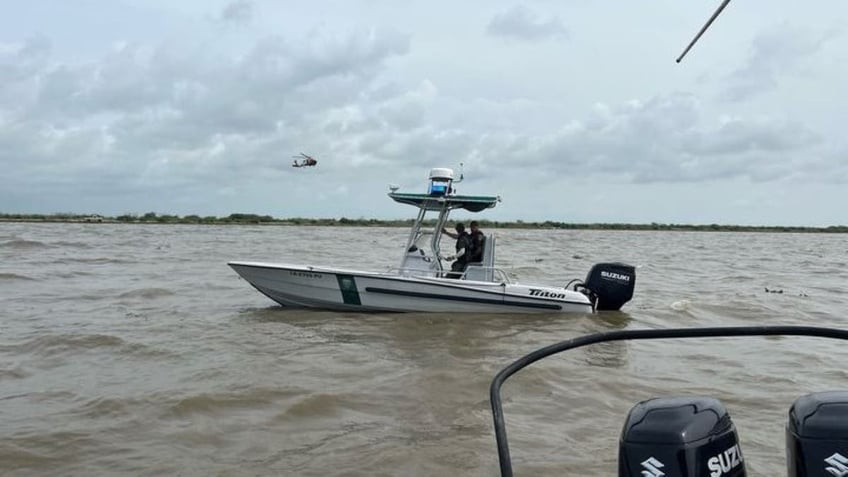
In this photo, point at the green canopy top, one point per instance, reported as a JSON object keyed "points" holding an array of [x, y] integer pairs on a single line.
{"points": [[471, 203]]}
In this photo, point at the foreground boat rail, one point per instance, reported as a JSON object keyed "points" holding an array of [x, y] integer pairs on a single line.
{"points": [[624, 335]]}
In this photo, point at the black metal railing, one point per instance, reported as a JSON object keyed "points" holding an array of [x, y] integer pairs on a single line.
{"points": [[625, 335]]}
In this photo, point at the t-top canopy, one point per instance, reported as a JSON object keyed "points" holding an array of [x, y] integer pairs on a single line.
{"points": [[471, 203]]}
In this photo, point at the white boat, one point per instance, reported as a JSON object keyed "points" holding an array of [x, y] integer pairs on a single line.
{"points": [[421, 282]]}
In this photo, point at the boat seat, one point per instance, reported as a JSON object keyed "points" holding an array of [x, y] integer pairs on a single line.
{"points": [[483, 271]]}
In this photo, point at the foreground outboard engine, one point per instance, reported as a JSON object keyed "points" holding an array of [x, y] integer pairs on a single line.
{"points": [[610, 285], [680, 436], [817, 435]]}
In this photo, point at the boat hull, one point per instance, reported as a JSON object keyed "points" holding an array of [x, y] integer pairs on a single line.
{"points": [[337, 289]]}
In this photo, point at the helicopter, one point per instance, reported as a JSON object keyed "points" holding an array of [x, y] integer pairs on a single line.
{"points": [[308, 161]]}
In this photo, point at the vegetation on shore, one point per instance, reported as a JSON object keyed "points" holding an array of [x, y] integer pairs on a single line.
{"points": [[254, 219]]}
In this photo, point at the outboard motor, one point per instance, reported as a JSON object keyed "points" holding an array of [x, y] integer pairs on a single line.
{"points": [[817, 435], [610, 285], [680, 436]]}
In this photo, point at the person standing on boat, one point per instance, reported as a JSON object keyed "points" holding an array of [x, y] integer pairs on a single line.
{"points": [[463, 250], [477, 239]]}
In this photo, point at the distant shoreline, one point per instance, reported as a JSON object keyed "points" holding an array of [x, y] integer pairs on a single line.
{"points": [[254, 219]]}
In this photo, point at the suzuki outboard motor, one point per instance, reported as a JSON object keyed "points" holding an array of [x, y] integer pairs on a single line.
{"points": [[680, 436], [610, 285], [817, 435]]}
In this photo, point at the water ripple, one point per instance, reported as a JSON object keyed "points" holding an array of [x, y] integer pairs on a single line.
{"points": [[52, 344], [22, 244], [14, 276], [135, 350]]}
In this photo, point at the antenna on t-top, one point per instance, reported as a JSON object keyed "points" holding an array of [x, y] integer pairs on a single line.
{"points": [[703, 29]]}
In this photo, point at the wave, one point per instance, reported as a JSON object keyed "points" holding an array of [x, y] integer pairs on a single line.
{"points": [[73, 274], [21, 244], [98, 260], [15, 372], [140, 350], [314, 405], [45, 452], [14, 276], [49, 345], [53, 345], [147, 293], [107, 407], [211, 403], [67, 244]]}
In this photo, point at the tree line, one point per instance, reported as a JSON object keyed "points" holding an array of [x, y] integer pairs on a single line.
{"points": [[256, 219]]}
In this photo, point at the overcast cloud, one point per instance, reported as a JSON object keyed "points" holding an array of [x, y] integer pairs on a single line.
{"points": [[240, 11], [523, 23], [776, 54], [198, 108]]}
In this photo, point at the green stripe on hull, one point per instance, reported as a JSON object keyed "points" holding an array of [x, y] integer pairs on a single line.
{"points": [[347, 285]]}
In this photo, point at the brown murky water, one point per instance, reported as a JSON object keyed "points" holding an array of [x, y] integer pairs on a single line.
{"points": [[135, 350]]}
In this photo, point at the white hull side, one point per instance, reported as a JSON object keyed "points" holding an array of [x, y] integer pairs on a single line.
{"points": [[324, 288]]}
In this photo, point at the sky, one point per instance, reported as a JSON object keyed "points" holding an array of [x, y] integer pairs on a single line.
{"points": [[570, 110]]}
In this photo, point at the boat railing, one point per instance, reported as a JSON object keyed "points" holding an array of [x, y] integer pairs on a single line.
{"points": [[501, 275], [413, 272], [627, 335], [498, 274]]}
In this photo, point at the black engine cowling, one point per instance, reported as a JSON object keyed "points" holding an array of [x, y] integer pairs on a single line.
{"points": [[817, 435], [680, 436], [610, 285]]}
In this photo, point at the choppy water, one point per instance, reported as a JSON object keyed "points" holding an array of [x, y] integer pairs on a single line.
{"points": [[135, 350]]}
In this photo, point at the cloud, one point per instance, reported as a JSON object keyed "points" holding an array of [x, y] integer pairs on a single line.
{"points": [[774, 54], [237, 11], [164, 116], [19, 64], [185, 124], [179, 121], [522, 23], [667, 138]]}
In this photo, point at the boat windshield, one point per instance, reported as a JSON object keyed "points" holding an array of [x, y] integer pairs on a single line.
{"points": [[422, 241]]}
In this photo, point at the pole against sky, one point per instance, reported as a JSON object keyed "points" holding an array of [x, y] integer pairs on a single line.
{"points": [[571, 111], [703, 29]]}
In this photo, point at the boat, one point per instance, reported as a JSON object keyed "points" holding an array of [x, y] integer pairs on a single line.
{"points": [[422, 281]]}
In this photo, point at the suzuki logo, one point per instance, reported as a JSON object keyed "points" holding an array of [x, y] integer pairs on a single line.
{"points": [[652, 468], [725, 462], [838, 465]]}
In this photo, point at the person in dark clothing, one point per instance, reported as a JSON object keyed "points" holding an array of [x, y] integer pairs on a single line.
{"points": [[463, 251], [477, 239]]}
